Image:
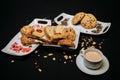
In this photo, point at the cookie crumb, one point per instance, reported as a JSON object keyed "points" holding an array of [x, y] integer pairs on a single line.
{"points": [[71, 60], [70, 57], [64, 52], [35, 63], [36, 51], [94, 43], [75, 55], [45, 56], [65, 62], [50, 54], [100, 47], [12, 61], [66, 57], [53, 58], [38, 55], [40, 70]]}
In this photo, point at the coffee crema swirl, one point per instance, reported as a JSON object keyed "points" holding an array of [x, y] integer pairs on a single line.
{"points": [[93, 56]]}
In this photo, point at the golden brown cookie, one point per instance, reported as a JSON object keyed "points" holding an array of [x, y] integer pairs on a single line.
{"points": [[58, 37], [69, 33], [39, 32], [49, 31], [26, 40], [78, 17], [58, 29], [27, 30], [66, 42], [58, 32], [89, 21]]}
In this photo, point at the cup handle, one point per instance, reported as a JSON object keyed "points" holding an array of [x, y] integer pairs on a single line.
{"points": [[82, 51]]}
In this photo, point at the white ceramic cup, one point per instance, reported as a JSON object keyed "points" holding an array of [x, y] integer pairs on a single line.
{"points": [[92, 58]]}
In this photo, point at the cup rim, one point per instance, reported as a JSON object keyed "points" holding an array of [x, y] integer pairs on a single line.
{"points": [[93, 49]]}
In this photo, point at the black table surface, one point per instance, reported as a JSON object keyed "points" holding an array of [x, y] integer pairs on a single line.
{"points": [[36, 66]]}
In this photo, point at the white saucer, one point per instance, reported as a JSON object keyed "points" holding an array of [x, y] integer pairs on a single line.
{"points": [[101, 70]]}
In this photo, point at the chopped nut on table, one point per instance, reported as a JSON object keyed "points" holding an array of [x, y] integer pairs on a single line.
{"points": [[12, 61]]}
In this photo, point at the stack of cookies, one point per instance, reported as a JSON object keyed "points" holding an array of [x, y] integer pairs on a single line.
{"points": [[87, 20], [61, 35], [26, 32], [58, 35]]}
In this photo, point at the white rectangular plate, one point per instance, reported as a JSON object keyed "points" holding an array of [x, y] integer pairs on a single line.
{"points": [[61, 17], [19, 49]]}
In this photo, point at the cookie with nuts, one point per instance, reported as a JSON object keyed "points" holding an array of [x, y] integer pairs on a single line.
{"points": [[27, 30], [49, 31], [69, 33], [78, 17], [39, 32], [89, 21], [66, 42], [58, 29], [27, 40]]}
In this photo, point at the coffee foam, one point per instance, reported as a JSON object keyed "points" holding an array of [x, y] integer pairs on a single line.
{"points": [[93, 56]]}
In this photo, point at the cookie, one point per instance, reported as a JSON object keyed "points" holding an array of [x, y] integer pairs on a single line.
{"points": [[27, 30], [58, 29], [26, 40], [57, 37], [69, 33], [66, 42], [89, 21], [49, 31], [39, 32], [78, 17]]}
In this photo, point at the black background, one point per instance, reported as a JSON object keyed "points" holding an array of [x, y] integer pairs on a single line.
{"points": [[16, 13]]}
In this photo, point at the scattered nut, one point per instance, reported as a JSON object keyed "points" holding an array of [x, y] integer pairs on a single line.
{"points": [[36, 51], [65, 62], [40, 70], [12, 61], [54, 59], [66, 57], [50, 54], [45, 56], [94, 43]]}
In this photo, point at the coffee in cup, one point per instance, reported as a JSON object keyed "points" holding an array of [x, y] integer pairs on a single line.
{"points": [[92, 58]]}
